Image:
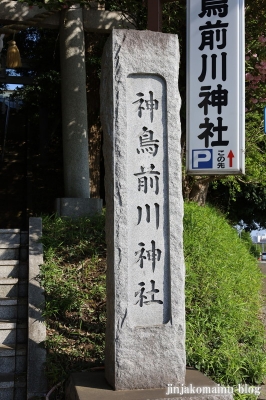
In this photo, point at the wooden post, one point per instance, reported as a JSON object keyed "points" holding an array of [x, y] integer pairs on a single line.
{"points": [[155, 14]]}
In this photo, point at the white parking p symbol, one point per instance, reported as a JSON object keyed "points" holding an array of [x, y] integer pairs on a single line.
{"points": [[201, 159]]}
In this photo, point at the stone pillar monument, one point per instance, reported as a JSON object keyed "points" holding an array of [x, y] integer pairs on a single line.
{"points": [[145, 336], [74, 117]]}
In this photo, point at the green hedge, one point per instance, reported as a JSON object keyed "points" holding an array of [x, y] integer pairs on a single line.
{"points": [[225, 337], [225, 334]]}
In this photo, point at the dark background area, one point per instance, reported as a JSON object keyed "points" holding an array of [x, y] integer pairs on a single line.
{"points": [[31, 173]]}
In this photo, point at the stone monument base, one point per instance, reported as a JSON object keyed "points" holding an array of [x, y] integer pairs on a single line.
{"points": [[78, 207], [93, 386]]}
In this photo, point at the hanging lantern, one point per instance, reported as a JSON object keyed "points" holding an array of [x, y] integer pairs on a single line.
{"points": [[13, 57]]}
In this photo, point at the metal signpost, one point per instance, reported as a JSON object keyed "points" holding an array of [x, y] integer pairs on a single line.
{"points": [[215, 87]]}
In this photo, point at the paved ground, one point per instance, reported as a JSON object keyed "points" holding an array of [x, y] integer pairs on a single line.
{"points": [[262, 266]]}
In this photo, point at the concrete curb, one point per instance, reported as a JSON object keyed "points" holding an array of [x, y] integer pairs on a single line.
{"points": [[37, 385], [93, 386]]}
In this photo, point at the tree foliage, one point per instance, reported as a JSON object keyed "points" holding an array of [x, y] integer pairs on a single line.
{"points": [[243, 197], [226, 191], [40, 47], [225, 335], [54, 4]]}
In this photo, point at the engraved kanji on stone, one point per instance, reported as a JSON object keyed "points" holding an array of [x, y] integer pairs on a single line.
{"points": [[215, 98], [147, 143], [152, 180], [147, 211], [208, 38], [140, 101], [204, 68], [151, 104], [212, 7], [140, 254], [151, 293], [140, 294], [153, 255]]}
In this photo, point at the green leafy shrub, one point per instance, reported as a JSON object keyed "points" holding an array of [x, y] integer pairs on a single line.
{"points": [[225, 336], [73, 275]]}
